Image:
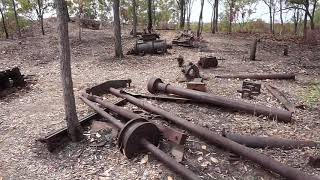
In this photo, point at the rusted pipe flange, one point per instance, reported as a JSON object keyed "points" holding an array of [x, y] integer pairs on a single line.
{"points": [[133, 132], [152, 85]]}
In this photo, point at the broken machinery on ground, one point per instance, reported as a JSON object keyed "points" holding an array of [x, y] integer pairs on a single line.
{"points": [[150, 47], [185, 39], [208, 62], [11, 78], [190, 71], [250, 89], [197, 84]]}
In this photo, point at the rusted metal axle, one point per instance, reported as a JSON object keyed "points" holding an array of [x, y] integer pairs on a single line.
{"points": [[156, 85], [260, 76], [218, 140], [269, 142], [139, 135], [169, 133]]}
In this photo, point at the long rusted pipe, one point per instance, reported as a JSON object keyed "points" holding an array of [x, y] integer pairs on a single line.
{"points": [[269, 142], [260, 76], [156, 85], [263, 160], [169, 133], [167, 160]]}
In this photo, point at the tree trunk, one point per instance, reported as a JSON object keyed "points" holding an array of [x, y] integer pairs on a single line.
{"points": [[295, 17], [16, 17], [270, 13], [74, 127], [65, 4], [281, 18], [117, 29], [273, 17], [312, 23], [305, 21], [231, 15], [190, 3], [253, 50], [4, 24], [134, 14], [181, 5], [200, 19], [212, 20], [40, 15], [79, 18], [216, 3], [149, 16]]}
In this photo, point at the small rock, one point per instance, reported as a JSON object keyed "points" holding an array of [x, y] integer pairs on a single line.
{"points": [[200, 158], [170, 178], [204, 147], [214, 160], [145, 159]]}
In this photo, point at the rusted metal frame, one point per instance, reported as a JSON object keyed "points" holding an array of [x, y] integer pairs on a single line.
{"points": [[268, 142], [102, 88], [169, 133], [286, 76], [60, 137], [219, 141], [145, 144], [156, 85], [161, 98], [280, 97]]}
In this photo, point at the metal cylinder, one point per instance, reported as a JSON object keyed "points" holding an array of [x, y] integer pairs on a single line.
{"points": [[156, 85], [268, 142], [263, 160], [260, 76], [163, 157], [152, 47]]}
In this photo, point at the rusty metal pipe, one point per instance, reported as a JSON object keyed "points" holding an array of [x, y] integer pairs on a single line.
{"points": [[263, 160], [260, 76], [167, 160], [156, 85], [169, 133], [268, 142]]}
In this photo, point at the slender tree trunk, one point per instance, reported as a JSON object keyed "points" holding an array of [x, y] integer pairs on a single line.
{"points": [[74, 127], [281, 18], [273, 17], [154, 12], [231, 15], [67, 13], [149, 16], [270, 13], [212, 20], [16, 17], [312, 23], [40, 16], [190, 3], [216, 3], [295, 17], [79, 19], [305, 21], [200, 19], [117, 29], [135, 20], [4, 24], [182, 12]]}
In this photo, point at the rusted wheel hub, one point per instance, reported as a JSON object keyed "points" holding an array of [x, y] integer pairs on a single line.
{"points": [[133, 132], [152, 85]]}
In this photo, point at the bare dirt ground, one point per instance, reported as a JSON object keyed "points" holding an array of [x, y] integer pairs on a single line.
{"points": [[31, 113]]}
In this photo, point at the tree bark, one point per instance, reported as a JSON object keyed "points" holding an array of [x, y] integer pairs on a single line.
{"points": [[117, 29], [182, 12], [305, 28], [4, 24], [253, 50], [281, 18], [190, 3], [65, 4], [149, 16], [270, 13], [134, 14], [74, 127], [79, 18], [216, 3], [200, 19], [295, 17], [231, 15], [16, 18], [40, 15]]}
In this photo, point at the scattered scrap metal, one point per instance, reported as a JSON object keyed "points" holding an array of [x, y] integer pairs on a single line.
{"points": [[11, 78], [186, 39], [250, 89], [284, 76], [150, 47], [190, 71], [208, 62]]}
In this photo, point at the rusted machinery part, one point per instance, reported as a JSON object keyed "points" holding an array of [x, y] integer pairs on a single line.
{"points": [[103, 87], [280, 97], [268, 142], [208, 62], [156, 85], [59, 137], [169, 133], [130, 142], [151, 47], [191, 71], [287, 76], [218, 140]]}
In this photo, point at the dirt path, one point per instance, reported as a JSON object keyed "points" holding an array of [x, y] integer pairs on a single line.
{"points": [[29, 114]]}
